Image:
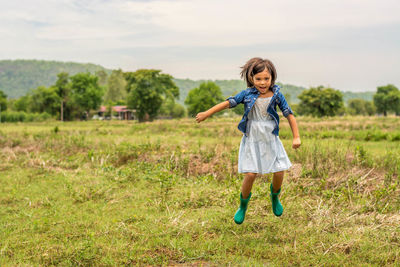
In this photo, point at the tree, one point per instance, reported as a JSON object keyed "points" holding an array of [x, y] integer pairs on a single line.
{"points": [[320, 102], [170, 108], [86, 92], [387, 98], [44, 99], [103, 77], [178, 111], [147, 89], [116, 87], [3, 101], [23, 103], [370, 108], [63, 90], [359, 106], [204, 97]]}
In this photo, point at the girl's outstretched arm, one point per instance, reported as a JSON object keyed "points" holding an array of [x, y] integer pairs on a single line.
{"points": [[295, 131], [204, 115]]}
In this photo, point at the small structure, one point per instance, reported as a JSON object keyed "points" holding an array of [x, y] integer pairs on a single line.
{"points": [[123, 113]]}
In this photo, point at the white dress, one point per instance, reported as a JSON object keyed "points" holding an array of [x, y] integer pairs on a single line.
{"points": [[261, 151]]}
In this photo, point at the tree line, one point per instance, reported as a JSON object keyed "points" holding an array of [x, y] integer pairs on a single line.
{"points": [[149, 92], [316, 101], [152, 93], [320, 101]]}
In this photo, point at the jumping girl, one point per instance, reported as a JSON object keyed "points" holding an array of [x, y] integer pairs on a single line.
{"points": [[261, 151]]}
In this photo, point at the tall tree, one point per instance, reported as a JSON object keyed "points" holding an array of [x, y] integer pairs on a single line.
{"points": [[147, 89], [3, 101], [320, 102], [86, 92], [203, 97], [116, 87], [44, 99], [23, 103], [103, 77], [387, 98], [62, 86]]}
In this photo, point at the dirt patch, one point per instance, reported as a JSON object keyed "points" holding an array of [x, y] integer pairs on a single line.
{"points": [[295, 171]]}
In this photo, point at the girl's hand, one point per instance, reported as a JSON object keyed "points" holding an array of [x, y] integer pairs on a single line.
{"points": [[201, 116], [296, 143]]}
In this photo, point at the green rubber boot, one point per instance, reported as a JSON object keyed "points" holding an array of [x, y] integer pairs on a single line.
{"points": [[241, 212], [276, 204]]}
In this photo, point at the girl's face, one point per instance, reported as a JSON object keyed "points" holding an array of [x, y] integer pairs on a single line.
{"points": [[262, 81]]}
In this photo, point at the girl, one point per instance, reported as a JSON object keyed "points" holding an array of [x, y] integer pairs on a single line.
{"points": [[261, 151]]}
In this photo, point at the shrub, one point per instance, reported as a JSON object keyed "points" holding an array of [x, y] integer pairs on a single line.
{"points": [[21, 116]]}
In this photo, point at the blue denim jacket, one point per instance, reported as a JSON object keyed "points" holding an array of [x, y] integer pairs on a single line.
{"points": [[248, 98]]}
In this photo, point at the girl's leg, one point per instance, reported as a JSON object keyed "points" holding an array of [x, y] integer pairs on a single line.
{"points": [[275, 191], [244, 197], [248, 183], [277, 181]]}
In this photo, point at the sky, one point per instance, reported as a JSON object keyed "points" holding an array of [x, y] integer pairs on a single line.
{"points": [[350, 45]]}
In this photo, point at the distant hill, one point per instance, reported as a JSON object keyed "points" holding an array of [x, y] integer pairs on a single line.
{"points": [[18, 77]]}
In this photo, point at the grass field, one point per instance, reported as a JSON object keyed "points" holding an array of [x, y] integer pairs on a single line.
{"points": [[164, 193]]}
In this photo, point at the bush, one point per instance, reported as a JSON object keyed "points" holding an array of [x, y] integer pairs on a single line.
{"points": [[395, 137], [361, 107], [178, 111], [171, 109]]}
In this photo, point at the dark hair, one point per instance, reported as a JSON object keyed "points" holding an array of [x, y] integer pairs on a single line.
{"points": [[257, 65]]}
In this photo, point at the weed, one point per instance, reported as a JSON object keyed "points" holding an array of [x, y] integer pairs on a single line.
{"points": [[362, 157], [167, 181], [395, 137]]}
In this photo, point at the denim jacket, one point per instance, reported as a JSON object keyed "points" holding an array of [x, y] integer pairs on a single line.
{"points": [[248, 98]]}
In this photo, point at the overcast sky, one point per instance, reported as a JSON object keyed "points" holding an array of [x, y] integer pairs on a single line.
{"points": [[351, 45]]}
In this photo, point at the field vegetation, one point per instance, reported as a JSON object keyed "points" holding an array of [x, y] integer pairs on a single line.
{"points": [[108, 193]]}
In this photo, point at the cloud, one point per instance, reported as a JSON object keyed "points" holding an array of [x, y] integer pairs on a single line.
{"points": [[210, 39]]}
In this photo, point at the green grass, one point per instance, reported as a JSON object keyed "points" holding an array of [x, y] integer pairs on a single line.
{"points": [[164, 193]]}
